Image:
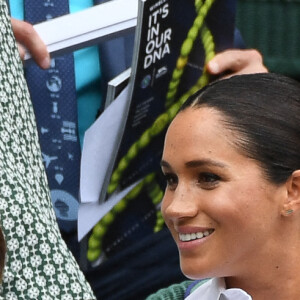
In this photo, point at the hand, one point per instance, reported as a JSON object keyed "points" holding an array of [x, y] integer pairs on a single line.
{"points": [[235, 62], [28, 38]]}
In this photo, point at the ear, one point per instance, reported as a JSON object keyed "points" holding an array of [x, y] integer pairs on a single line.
{"points": [[292, 200]]}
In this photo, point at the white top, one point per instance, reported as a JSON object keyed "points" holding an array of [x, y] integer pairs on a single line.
{"points": [[215, 289]]}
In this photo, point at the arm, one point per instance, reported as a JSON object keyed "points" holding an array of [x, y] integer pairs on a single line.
{"points": [[235, 62], [27, 38]]}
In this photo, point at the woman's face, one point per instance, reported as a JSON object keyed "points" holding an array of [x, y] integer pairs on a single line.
{"points": [[222, 212]]}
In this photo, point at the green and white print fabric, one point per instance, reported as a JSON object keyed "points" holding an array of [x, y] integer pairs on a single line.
{"points": [[39, 265]]}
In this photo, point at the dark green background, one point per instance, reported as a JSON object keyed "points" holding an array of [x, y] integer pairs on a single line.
{"points": [[273, 27]]}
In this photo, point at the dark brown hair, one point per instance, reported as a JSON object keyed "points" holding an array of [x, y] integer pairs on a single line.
{"points": [[264, 109]]}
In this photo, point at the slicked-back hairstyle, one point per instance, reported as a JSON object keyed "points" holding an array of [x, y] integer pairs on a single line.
{"points": [[264, 109]]}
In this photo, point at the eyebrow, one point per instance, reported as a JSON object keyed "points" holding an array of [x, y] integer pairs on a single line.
{"points": [[204, 162], [196, 163]]}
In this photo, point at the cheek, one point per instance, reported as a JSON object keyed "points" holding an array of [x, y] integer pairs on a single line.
{"points": [[228, 205], [243, 206]]}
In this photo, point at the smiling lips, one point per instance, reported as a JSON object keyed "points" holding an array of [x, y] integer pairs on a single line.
{"points": [[186, 237]]}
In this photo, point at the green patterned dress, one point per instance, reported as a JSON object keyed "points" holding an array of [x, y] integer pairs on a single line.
{"points": [[38, 263]]}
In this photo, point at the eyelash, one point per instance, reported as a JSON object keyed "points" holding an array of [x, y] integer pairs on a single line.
{"points": [[171, 180], [206, 180]]}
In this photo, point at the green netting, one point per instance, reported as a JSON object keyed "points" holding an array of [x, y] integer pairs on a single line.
{"points": [[273, 27]]}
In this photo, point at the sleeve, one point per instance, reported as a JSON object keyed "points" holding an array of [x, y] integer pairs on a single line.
{"points": [[38, 262], [173, 292]]}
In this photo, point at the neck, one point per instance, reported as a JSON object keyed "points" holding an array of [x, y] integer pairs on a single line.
{"points": [[272, 278]]}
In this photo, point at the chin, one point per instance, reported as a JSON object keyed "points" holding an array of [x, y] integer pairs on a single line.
{"points": [[194, 271]]}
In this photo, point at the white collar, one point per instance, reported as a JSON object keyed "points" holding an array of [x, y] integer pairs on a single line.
{"points": [[215, 289]]}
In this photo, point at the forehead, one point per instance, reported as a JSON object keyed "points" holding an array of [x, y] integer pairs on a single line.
{"points": [[202, 114], [193, 123], [199, 132]]}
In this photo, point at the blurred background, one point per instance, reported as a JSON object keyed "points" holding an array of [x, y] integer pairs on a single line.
{"points": [[272, 27]]}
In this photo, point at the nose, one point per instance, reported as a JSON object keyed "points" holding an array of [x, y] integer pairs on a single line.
{"points": [[180, 203]]}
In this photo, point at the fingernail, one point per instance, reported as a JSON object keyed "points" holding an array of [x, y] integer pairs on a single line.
{"points": [[213, 67], [45, 64]]}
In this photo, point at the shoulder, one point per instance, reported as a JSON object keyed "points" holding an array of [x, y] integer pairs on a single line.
{"points": [[173, 292], [194, 285], [177, 291]]}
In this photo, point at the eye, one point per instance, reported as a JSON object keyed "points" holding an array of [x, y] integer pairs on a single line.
{"points": [[171, 180], [208, 180]]}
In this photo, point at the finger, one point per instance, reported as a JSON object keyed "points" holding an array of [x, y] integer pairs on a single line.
{"points": [[29, 38], [237, 61], [21, 50]]}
